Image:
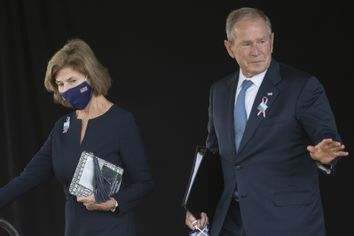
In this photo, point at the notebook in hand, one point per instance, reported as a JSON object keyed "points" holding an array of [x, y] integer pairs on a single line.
{"points": [[84, 183], [205, 184]]}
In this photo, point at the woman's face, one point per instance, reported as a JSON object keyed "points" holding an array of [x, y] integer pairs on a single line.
{"points": [[68, 78]]}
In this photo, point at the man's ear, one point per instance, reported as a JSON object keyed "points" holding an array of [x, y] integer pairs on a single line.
{"points": [[272, 41], [228, 47]]}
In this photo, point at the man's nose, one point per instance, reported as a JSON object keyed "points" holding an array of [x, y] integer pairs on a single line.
{"points": [[255, 50]]}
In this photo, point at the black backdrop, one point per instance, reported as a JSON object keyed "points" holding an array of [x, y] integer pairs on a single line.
{"points": [[163, 58]]}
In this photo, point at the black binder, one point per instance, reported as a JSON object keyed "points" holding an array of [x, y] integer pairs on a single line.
{"points": [[205, 184]]}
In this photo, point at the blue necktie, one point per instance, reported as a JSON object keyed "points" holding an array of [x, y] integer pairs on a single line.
{"points": [[240, 114]]}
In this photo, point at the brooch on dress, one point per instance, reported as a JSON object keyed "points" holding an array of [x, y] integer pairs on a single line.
{"points": [[66, 125]]}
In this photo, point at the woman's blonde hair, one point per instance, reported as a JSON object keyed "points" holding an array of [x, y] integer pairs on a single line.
{"points": [[77, 55]]}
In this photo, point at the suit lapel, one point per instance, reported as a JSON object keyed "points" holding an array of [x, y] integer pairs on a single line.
{"points": [[267, 90], [230, 98]]}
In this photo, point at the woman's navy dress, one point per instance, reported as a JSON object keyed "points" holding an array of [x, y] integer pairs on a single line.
{"points": [[113, 136]]}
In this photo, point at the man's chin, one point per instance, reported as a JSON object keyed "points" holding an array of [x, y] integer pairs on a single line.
{"points": [[255, 70]]}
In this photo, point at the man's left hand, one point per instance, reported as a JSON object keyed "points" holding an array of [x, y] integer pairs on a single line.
{"points": [[326, 151]]}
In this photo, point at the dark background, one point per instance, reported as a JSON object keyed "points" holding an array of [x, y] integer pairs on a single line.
{"points": [[163, 59]]}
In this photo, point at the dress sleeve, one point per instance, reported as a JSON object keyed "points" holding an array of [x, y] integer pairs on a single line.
{"points": [[136, 166], [37, 171]]}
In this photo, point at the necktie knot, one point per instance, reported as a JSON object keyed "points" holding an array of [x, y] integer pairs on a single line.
{"points": [[246, 84]]}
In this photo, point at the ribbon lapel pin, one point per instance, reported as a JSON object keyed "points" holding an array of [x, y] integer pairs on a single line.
{"points": [[262, 107]]}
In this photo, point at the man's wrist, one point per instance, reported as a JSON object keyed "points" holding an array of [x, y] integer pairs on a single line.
{"points": [[327, 168]]}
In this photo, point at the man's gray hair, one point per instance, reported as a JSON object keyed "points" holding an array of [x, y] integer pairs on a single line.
{"points": [[241, 13]]}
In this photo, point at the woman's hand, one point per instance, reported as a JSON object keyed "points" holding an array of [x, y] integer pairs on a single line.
{"points": [[91, 205]]}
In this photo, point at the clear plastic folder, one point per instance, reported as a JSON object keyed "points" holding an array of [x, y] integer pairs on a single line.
{"points": [[84, 181]]}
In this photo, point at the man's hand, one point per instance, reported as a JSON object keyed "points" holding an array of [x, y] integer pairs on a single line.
{"points": [[193, 223], [326, 151], [91, 205]]}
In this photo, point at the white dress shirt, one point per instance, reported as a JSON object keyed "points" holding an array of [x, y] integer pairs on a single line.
{"points": [[251, 91]]}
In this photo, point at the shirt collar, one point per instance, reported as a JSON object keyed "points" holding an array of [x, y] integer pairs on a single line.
{"points": [[256, 79]]}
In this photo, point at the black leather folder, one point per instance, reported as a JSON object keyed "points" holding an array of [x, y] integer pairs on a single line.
{"points": [[205, 184]]}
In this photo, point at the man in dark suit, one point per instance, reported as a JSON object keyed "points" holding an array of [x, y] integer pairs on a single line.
{"points": [[270, 158]]}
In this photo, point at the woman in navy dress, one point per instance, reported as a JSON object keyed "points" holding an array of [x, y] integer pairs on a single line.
{"points": [[78, 80]]}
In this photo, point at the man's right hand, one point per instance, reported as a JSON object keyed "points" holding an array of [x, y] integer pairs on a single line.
{"points": [[193, 222]]}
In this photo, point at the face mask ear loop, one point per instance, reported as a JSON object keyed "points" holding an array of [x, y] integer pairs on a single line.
{"points": [[88, 82]]}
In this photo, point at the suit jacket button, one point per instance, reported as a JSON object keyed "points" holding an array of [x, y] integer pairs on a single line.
{"points": [[238, 167]]}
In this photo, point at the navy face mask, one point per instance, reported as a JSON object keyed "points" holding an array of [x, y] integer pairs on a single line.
{"points": [[79, 96]]}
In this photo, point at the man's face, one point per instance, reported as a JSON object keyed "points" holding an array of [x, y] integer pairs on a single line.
{"points": [[252, 46]]}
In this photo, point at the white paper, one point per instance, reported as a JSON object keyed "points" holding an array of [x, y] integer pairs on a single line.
{"points": [[195, 171], [87, 178]]}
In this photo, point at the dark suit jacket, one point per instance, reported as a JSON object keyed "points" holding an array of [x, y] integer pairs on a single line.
{"points": [[276, 178]]}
